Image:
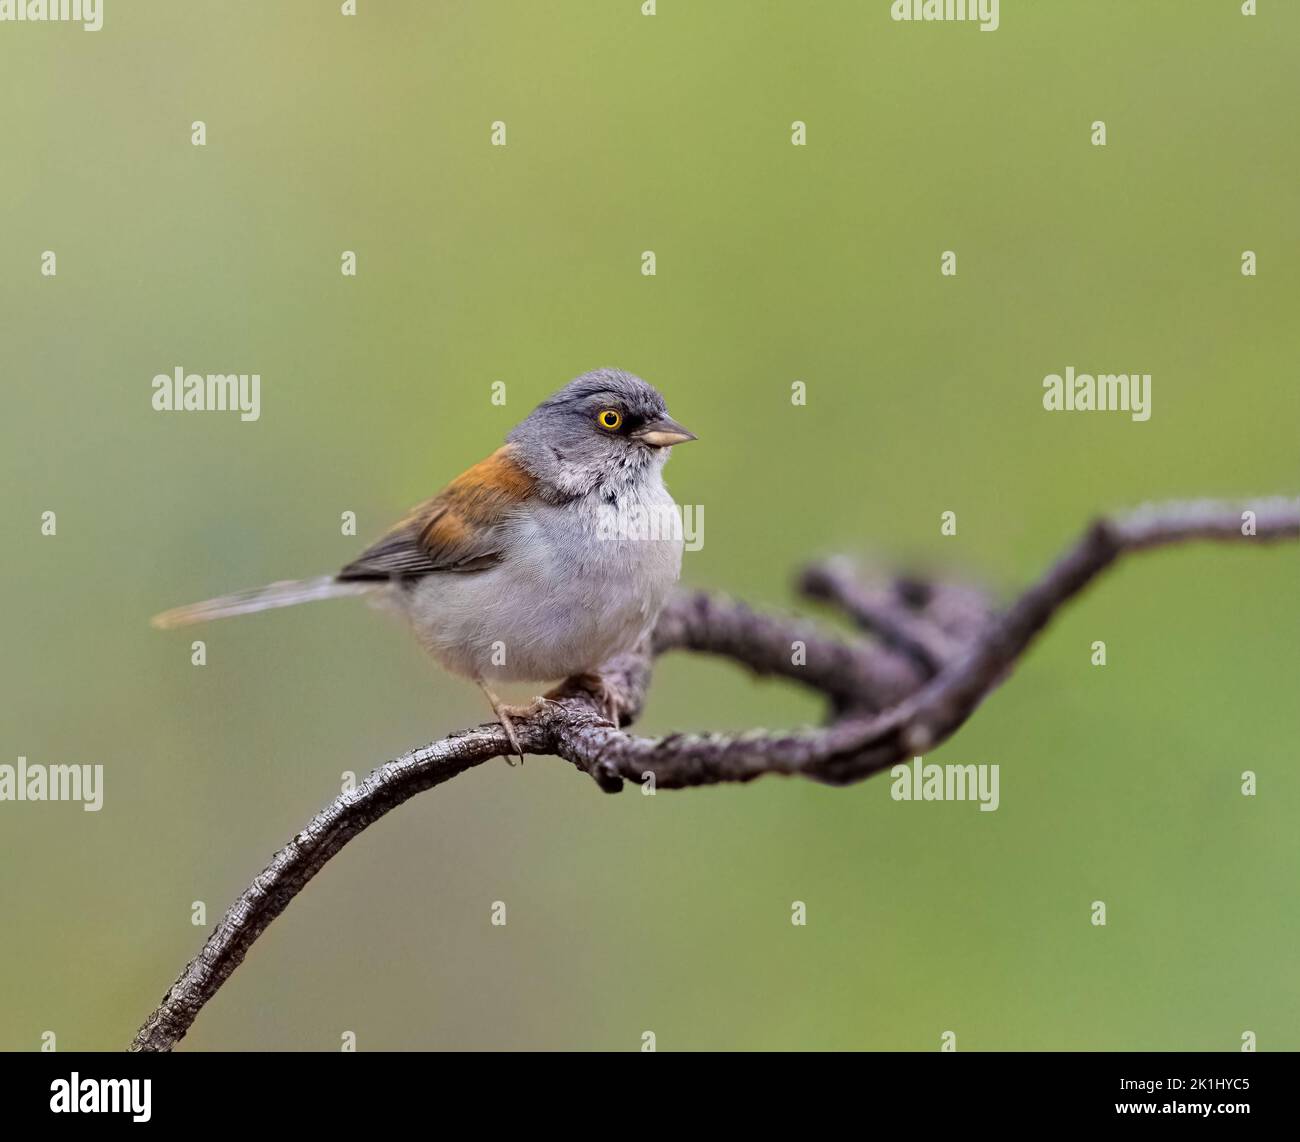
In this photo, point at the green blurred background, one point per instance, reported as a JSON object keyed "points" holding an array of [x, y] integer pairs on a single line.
{"points": [[775, 263]]}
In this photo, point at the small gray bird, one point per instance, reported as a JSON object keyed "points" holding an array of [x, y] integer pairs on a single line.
{"points": [[535, 564]]}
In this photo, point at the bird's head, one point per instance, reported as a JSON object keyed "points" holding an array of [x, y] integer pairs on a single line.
{"points": [[606, 429]]}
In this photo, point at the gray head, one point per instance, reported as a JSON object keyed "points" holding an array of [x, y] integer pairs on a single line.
{"points": [[604, 431]]}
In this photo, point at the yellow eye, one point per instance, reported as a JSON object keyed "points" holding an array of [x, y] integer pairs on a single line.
{"points": [[610, 418]]}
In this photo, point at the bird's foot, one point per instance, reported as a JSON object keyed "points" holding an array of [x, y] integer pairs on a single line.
{"points": [[506, 724], [535, 707], [506, 713], [607, 698]]}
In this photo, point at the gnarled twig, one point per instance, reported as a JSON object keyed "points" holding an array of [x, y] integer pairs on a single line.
{"points": [[942, 650]]}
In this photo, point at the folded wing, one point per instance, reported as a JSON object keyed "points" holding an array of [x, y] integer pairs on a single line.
{"points": [[461, 529]]}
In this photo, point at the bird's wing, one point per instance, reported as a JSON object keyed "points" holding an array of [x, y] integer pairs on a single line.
{"points": [[460, 529]]}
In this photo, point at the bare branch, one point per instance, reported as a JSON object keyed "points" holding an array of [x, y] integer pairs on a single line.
{"points": [[944, 651], [890, 613]]}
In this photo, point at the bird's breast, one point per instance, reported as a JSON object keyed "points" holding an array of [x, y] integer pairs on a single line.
{"points": [[578, 583]]}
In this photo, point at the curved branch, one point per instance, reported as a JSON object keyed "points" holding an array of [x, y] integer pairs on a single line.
{"points": [[943, 650]]}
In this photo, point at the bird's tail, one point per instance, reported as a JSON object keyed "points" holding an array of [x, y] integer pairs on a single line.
{"points": [[284, 594]]}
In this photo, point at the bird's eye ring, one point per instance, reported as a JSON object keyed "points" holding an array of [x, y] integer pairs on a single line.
{"points": [[609, 419]]}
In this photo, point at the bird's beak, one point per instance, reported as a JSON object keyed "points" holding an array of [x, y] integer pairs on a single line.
{"points": [[663, 433]]}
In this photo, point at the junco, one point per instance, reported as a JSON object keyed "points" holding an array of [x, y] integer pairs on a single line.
{"points": [[519, 570]]}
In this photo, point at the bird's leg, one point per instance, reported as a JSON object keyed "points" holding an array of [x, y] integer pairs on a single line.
{"points": [[503, 713], [595, 685], [535, 707]]}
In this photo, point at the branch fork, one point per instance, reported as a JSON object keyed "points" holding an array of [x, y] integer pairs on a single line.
{"points": [[938, 649]]}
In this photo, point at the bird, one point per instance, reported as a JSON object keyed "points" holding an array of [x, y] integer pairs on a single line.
{"points": [[533, 565]]}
